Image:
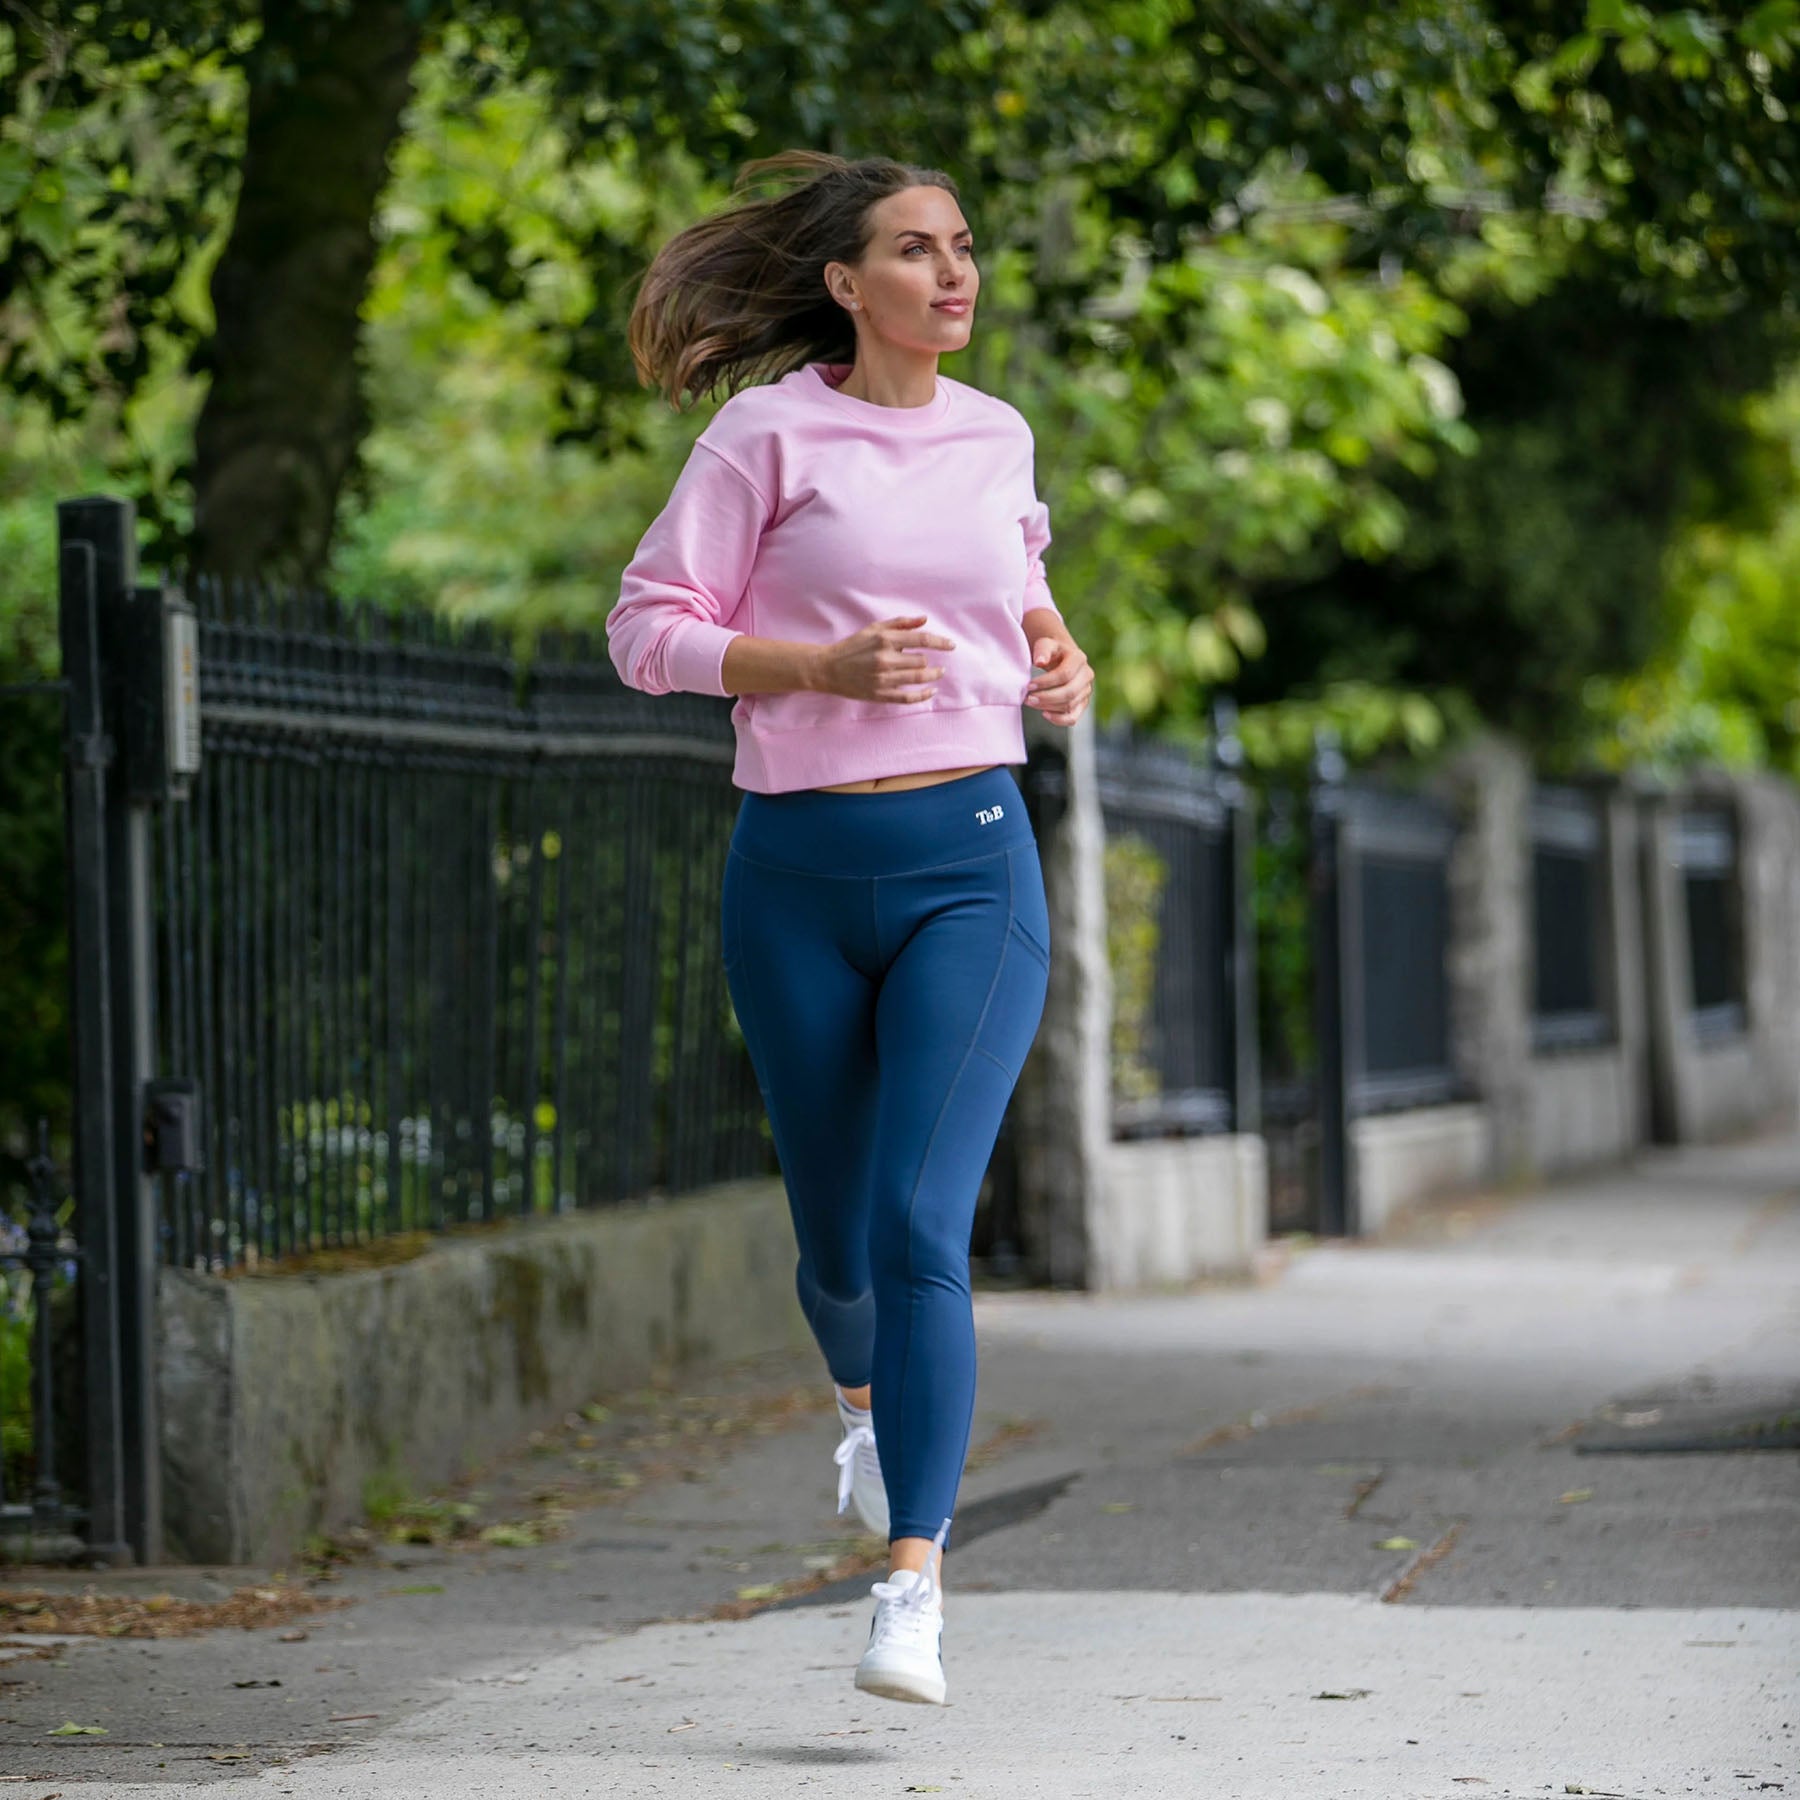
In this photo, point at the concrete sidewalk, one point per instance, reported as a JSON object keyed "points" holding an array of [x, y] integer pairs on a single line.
{"points": [[1376, 1526]]}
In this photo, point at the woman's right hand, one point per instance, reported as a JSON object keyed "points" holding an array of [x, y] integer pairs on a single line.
{"points": [[883, 661]]}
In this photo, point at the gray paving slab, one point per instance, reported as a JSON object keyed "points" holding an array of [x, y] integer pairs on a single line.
{"points": [[1248, 1696]]}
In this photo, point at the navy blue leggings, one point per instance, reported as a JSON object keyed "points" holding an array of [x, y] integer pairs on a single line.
{"points": [[887, 955]]}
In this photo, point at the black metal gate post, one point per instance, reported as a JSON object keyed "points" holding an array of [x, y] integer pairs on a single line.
{"points": [[1332, 949], [1237, 935], [109, 957], [88, 752]]}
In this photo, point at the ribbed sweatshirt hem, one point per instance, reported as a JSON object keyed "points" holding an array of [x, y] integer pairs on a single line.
{"points": [[910, 743]]}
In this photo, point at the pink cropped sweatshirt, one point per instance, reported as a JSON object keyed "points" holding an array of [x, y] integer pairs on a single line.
{"points": [[804, 513]]}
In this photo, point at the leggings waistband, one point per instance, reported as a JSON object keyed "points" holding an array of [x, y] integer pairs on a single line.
{"points": [[893, 833]]}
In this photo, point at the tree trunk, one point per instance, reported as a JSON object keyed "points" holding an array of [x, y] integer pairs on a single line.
{"points": [[285, 414]]}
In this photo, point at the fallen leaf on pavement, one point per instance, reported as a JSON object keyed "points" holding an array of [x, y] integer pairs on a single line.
{"points": [[94, 1613], [512, 1537]]}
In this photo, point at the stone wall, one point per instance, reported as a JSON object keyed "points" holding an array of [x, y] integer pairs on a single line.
{"points": [[1555, 1110], [1173, 1210], [284, 1396], [1420, 1154], [1707, 1091]]}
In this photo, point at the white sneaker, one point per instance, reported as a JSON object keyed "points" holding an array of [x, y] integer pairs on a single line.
{"points": [[859, 1468], [905, 1655]]}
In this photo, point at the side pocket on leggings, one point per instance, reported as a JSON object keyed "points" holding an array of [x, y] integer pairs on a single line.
{"points": [[1030, 908]]}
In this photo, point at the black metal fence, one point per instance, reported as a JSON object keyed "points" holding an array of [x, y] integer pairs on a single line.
{"points": [[42, 1518], [1280, 958], [1287, 1001], [436, 935], [374, 932], [1572, 1002], [1706, 853], [1353, 938], [1394, 851], [1175, 876]]}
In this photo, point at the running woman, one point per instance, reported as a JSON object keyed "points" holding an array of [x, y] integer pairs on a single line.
{"points": [[854, 549]]}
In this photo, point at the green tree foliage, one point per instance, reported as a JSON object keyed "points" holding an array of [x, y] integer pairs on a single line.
{"points": [[119, 149], [1608, 196], [1269, 432], [1164, 191], [1725, 686], [1537, 562], [1177, 479], [486, 493], [1662, 134], [295, 147]]}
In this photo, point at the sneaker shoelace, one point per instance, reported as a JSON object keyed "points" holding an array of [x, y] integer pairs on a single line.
{"points": [[857, 1449], [906, 1606]]}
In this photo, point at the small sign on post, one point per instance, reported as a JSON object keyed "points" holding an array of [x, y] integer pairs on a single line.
{"points": [[162, 696], [181, 691]]}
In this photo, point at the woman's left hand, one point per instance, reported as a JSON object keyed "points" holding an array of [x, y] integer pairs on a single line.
{"points": [[1061, 679]]}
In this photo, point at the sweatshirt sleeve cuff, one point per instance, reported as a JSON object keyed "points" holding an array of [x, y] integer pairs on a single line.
{"points": [[694, 656]]}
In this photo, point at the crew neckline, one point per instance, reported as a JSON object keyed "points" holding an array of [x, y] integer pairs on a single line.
{"points": [[826, 375]]}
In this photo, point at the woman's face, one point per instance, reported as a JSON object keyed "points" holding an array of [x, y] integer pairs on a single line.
{"points": [[920, 261]]}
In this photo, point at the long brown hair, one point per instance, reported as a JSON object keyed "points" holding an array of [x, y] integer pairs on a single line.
{"points": [[740, 297]]}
